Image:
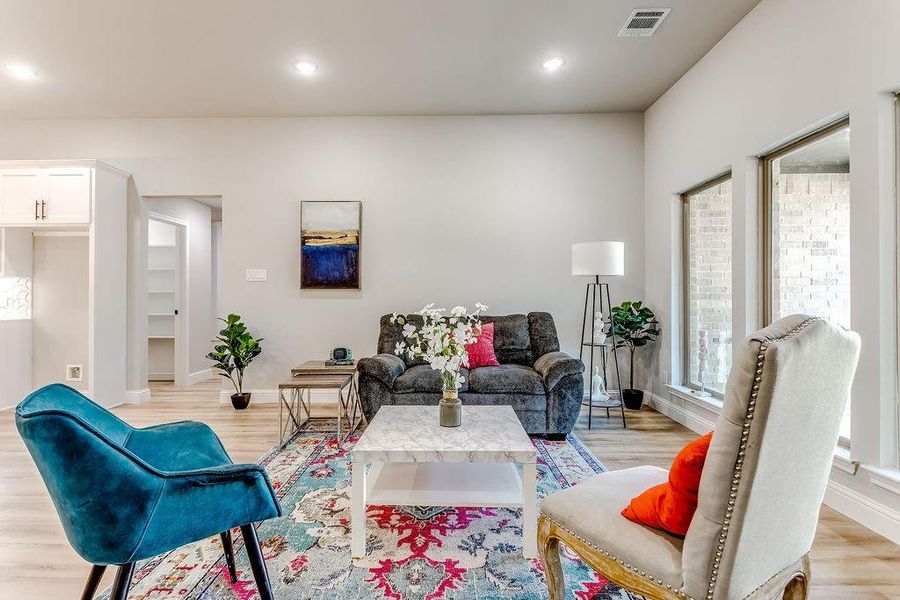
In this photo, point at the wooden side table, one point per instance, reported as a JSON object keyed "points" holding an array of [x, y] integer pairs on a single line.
{"points": [[295, 397]]}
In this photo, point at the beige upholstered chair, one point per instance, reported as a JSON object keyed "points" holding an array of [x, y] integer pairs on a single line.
{"points": [[760, 492]]}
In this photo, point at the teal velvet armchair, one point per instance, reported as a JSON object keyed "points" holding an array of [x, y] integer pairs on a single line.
{"points": [[125, 494]]}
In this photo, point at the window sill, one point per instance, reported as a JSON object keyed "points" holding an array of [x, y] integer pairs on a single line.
{"points": [[842, 461], [885, 477], [708, 402]]}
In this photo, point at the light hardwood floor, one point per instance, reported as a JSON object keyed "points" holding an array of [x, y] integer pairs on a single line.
{"points": [[848, 561]]}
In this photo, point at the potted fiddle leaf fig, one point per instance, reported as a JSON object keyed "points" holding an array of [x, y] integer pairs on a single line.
{"points": [[235, 349], [634, 325]]}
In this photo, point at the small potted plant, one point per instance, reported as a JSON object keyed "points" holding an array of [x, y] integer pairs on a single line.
{"points": [[234, 353], [634, 325]]}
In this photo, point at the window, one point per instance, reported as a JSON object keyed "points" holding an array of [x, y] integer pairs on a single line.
{"points": [[707, 284], [806, 209]]}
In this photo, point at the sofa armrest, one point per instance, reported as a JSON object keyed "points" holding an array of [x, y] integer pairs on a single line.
{"points": [[554, 366], [386, 368]]}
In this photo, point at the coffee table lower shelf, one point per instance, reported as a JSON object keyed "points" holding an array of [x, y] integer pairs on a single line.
{"points": [[493, 484]]}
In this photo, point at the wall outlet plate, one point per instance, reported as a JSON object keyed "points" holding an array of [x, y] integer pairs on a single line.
{"points": [[74, 373], [256, 275]]}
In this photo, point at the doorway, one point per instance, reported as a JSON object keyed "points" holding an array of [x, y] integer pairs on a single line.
{"points": [[167, 313]]}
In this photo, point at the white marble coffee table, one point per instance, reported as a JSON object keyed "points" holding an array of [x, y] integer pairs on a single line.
{"points": [[405, 458]]}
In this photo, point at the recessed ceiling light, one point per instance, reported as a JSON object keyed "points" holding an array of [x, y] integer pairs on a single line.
{"points": [[21, 71], [553, 63], [306, 67]]}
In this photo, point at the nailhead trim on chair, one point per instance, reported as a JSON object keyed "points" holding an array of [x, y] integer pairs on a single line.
{"points": [[621, 562], [739, 463]]}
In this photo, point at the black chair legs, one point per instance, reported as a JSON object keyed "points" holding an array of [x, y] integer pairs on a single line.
{"points": [[229, 554], [122, 582], [90, 588], [257, 563]]}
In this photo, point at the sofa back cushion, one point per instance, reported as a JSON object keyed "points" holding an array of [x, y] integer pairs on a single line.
{"points": [[518, 339], [512, 343], [391, 333]]}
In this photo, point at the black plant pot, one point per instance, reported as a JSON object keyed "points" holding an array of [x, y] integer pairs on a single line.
{"points": [[240, 401], [633, 399]]}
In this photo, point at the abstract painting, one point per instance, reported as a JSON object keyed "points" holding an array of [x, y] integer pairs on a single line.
{"points": [[329, 244]]}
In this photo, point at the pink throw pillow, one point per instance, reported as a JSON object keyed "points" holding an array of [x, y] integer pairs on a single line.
{"points": [[481, 353]]}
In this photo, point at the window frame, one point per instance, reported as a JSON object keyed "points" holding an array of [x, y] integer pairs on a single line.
{"points": [[685, 273], [767, 262]]}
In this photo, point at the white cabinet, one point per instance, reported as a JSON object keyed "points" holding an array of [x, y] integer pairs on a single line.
{"points": [[21, 192], [49, 195], [67, 196]]}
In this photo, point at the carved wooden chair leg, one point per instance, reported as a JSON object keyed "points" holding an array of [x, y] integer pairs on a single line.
{"points": [[257, 562], [549, 551], [798, 587], [90, 588], [122, 583]]}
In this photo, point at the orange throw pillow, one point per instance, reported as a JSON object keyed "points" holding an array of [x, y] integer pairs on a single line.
{"points": [[670, 506]]}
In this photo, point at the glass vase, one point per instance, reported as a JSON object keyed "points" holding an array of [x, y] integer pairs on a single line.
{"points": [[450, 409]]}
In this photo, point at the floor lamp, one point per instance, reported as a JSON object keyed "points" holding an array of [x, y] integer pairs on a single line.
{"points": [[596, 260]]}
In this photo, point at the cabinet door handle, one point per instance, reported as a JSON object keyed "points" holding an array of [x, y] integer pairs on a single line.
{"points": [[43, 210], [37, 206]]}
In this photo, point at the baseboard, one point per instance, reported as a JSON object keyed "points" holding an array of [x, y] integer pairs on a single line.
{"points": [[269, 395], [137, 396], [878, 517], [198, 376], [679, 414]]}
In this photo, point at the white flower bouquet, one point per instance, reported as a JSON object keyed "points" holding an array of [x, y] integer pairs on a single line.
{"points": [[441, 340]]}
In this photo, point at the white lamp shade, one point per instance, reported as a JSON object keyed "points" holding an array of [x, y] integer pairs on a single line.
{"points": [[590, 259]]}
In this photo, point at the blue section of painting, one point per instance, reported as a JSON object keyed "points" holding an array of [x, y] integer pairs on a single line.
{"points": [[335, 266]]}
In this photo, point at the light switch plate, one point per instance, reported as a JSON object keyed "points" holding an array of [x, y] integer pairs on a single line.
{"points": [[256, 274]]}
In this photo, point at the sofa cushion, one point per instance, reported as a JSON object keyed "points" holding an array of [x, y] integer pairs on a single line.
{"points": [[590, 510], [506, 379], [542, 331], [512, 340], [422, 378], [391, 333]]}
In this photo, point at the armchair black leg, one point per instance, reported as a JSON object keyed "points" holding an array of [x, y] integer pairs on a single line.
{"points": [[90, 588], [257, 562], [122, 582], [229, 554]]}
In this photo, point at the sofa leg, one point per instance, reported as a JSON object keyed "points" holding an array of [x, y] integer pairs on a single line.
{"points": [[229, 554], [90, 588], [548, 547], [257, 562], [122, 583]]}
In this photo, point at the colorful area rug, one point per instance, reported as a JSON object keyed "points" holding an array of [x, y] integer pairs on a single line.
{"points": [[413, 553]]}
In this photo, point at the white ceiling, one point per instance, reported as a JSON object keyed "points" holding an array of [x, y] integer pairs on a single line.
{"points": [[204, 58]]}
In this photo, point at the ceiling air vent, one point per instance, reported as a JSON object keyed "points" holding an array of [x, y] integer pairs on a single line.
{"points": [[642, 22]]}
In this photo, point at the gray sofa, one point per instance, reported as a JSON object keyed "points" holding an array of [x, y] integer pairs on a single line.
{"points": [[543, 385]]}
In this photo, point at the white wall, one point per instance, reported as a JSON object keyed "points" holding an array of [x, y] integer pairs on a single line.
{"points": [[455, 209], [16, 336], [60, 309], [788, 66]]}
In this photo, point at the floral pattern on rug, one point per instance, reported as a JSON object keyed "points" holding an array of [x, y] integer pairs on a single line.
{"points": [[413, 553]]}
